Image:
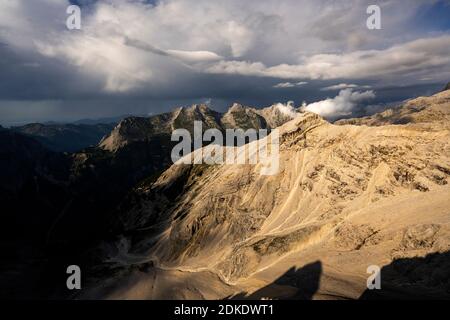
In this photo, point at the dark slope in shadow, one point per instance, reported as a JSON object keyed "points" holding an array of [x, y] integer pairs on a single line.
{"points": [[414, 278], [298, 284], [404, 279]]}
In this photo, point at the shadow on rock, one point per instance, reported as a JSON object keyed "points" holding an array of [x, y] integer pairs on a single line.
{"points": [[297, 284], [414, 278]]}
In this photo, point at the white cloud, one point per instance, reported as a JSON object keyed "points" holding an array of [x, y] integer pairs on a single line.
{"points": [[240, 38], [287, 109], [342, 86], [238, 67], [194, 56], [284, 85], [182, 55], [419, 57], [290, 84], [341, 105]]}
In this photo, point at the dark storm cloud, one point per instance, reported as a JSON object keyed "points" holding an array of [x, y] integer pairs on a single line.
{"points": [[30, 76]]}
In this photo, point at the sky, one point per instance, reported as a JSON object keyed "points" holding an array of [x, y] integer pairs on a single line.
{"points": [[147, 57]]}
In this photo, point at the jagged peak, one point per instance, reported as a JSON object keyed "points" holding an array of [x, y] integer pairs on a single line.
{"points": [[194, 107], [128, 121], [199, 107], [128, 129], [236, 107]]}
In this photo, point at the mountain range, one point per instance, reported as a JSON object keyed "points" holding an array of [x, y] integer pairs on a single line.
{"points": [[141, 129], [349, 195], [49, 196], [66, 137]]}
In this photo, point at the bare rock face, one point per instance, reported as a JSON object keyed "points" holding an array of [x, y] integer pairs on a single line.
{"points": [[274, 117], [346, 197], [239, 116]]}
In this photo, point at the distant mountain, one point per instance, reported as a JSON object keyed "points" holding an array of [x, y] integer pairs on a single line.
{"points": [[66, 137], [242, 117], [238, 116], [275, 116], [420, 110], [106, 120], [135, 129], [23, 158]]}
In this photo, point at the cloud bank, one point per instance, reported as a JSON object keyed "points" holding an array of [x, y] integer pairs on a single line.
{"points": [[417, 58], [341, 105]]}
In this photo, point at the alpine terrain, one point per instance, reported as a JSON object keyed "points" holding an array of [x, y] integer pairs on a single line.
{"points": [[348, 196]]}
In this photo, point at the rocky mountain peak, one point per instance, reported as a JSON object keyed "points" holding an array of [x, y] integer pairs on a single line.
{"points": [[238, 116], [236, 107], [128, 130], [275, 117], [198, 108]]}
